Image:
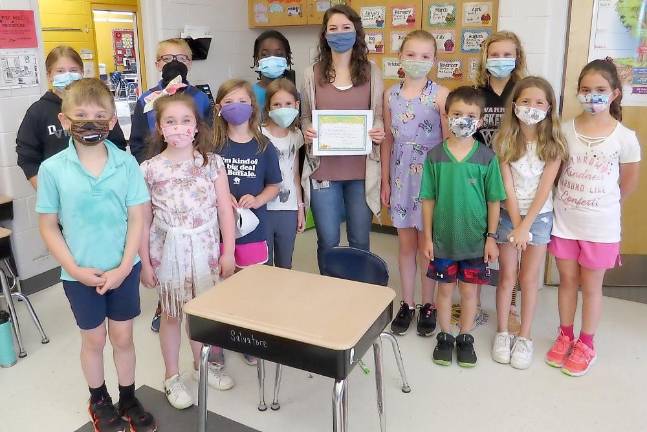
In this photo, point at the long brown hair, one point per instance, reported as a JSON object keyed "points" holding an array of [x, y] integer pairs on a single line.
{"points": [[483, 76], [202, 142], [509, 143], [273, 88], [607, 69], [359, 64], [62, 51], [220, 126]]}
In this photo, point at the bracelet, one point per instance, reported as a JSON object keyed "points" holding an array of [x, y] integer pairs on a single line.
{"points": [[491, 235]]}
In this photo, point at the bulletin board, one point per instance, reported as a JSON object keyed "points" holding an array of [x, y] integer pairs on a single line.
{"points": [[317, 9], [123, 42], [276, 13]]}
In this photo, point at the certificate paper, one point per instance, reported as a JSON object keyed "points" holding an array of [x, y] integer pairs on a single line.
{"points": [[342, 132]]}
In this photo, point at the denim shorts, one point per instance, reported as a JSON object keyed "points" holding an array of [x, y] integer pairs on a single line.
{"points": [[540, 229]]}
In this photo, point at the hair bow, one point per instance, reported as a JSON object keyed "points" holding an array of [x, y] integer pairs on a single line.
{"points": [[171, 88]]}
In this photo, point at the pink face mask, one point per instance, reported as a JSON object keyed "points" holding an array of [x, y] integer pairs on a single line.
{"points": [[179, 136]]}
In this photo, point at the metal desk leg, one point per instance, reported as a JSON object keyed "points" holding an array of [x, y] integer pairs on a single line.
{"points": [[338, 411], [6, 291], [260, 368], [20, 296], [398, 359], [203, 388], [277, 386], [344, 403], [377, 354]]}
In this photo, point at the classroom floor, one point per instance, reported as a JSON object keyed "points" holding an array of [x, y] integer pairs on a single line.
{"points": [[46, 390]]}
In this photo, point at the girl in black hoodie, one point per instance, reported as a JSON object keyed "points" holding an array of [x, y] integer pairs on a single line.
{"points": [[40, 134]]}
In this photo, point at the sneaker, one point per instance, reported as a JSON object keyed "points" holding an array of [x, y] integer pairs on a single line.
{"points": [[580, 360], [561, 348], [465, 354], [137, 417], [250, 360], [522, 352], [155, 323], [426, 320], [501, 347], [444, 349], [403, 319], [217, 378], [105, 417], [176, 393]]}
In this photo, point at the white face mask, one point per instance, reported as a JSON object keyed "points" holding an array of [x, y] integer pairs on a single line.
{"points": [[529, 115], [463, 126]]}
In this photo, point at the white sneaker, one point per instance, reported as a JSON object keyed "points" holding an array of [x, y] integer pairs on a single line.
{"points": [[176, 393], [217, 377], [501, 347], [522, 351]]}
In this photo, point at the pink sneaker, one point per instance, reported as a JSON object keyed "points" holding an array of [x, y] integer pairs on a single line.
{"points": [[580, 360], [559, 351]]}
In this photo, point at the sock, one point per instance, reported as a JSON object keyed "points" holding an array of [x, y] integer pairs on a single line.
{"points": [[126, 393], [587, 339], [96, 394], [567, 331]]}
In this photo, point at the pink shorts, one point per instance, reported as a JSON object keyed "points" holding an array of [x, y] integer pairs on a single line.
{"points": [[592, 255], [250, 254]]}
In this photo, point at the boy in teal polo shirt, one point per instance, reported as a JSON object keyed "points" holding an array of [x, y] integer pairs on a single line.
{"points": [[460, 192], [96, 192]]}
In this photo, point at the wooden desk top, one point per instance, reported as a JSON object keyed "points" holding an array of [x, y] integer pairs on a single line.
{"points": [[4, 232], [5, 199], [309, 308]]}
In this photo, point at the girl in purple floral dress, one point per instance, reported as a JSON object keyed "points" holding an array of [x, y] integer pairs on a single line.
{"points": [[414, 118]]}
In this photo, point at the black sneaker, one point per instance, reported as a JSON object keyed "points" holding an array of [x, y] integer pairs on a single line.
{"points": [[444, 349], [465, 353], [426, 320], [138, 419], [155, 323], [403, 319], [105, 417]]}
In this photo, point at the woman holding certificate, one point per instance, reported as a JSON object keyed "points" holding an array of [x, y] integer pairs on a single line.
{"points": [[342, 125]]}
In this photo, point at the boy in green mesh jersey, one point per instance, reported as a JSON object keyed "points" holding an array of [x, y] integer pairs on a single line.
{"points": [[460, 192]]}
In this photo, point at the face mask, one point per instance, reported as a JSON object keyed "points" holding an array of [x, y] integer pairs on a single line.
{"points": [[171, 70], [463, 126], [236, 113], [272, 67], [90, 132], [179, 136], [284, 116], [594, 102], [341, 42], [417, 68], [62, 80], [529, 115], [500, 67]]}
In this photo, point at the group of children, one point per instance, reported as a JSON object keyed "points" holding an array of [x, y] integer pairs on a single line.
{"points": [[458, 203]]}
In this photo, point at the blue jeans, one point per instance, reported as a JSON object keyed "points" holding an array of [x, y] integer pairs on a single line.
{"points": [[281, 232], [329, 205]]}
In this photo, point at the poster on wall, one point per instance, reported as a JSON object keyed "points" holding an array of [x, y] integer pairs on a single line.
{"points": [[403, 16], [442, 15], [619, 31], [374, 42], [373, 17], [472, 40], [445, 41], [17, 29], [392, 68], [450, 70], [124, 46], [396, 41], [477, 14], [18, 68]]}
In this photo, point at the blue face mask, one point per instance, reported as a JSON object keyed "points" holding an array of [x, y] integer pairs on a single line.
{"points": [[501, 67], [272, 67], [341, 42], [62, 80], [284, 116]]}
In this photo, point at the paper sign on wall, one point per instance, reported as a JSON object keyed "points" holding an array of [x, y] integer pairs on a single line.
{"points": [[450, 70], [17, 29], [445, 41], [373, 17], [472, 40], [474, 68], [442, 15], [18, 68], [375, 42], [396, 41], [403, 17], [392, 68], [477, 13], [260, 14]]}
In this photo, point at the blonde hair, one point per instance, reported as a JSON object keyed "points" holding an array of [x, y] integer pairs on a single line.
{"points": [[273, 88], [422, 35], [220, 132], [483, 76], [509, 143], [62, 51], [88, 91], [175, 42]]}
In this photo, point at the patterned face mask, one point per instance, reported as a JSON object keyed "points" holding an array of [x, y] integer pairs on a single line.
{"points": [[463, 126], [179, 136], [529, 115], [594, 102], [89, 132]]}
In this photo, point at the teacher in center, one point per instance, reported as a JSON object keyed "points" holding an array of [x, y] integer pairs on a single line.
{"points": [[342, 78]]}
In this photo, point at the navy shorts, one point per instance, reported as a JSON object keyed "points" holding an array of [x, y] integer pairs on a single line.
{"points": [[91, 309], [472, 271]]}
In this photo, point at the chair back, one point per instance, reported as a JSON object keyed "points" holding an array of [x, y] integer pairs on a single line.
{"points": [[356, 265]]}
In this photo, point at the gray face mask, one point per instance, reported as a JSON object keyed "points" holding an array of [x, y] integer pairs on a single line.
{"points": [[463, 126]]}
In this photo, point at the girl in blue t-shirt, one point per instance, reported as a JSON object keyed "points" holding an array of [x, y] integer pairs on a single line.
{"points": [[272, 60], [252, 166]]}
